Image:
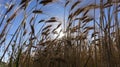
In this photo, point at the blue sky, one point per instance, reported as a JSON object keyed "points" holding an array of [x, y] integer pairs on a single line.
{"points": [[56, 9], [50, 10]]}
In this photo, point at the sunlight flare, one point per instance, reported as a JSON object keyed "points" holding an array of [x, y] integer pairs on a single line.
{"points": [[60, 33]]}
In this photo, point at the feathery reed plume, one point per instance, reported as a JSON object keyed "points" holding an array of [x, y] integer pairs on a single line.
{"points": [[45, 2], [88, 36], [67, 3], [75, 4], [37, 11]]}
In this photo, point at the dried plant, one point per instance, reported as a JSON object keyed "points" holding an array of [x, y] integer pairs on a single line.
{"points": [[83, 39]]}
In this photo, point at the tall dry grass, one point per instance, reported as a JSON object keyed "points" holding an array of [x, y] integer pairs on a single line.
{"points": [[88, 41]]}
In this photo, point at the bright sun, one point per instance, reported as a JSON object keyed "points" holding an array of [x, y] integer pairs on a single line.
{"points": [[61, 34]]}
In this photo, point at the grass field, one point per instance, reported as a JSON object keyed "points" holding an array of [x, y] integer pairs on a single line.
{"points": [[60, 33]]}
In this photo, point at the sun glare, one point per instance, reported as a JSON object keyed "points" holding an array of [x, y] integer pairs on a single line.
{"points": [[61, 34]]}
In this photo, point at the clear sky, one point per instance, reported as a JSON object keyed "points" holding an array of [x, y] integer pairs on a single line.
{"points": [[55, 9], [50, 10]]}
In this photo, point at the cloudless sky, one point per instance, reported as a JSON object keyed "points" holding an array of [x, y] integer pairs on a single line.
{"points": [[55, 9], [50, 10]]}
